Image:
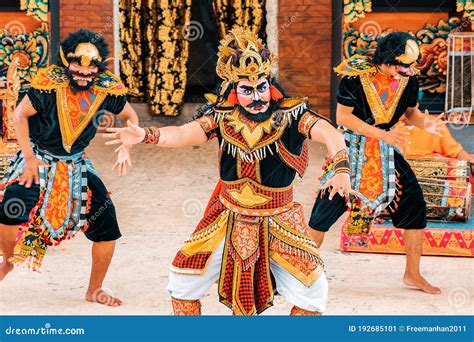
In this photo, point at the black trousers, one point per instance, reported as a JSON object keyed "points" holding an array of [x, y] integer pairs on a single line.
{"points": [[103, 226], [411, 212]]}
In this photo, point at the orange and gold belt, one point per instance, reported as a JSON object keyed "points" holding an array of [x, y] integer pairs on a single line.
{"points": [[247, 197]]}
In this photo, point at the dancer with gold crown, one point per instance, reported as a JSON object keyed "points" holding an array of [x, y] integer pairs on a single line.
{"points": [[253, 238], [52, 189], [374, 93]]}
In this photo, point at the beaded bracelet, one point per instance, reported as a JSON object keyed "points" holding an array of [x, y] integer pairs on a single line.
{"points": [[152, 135]]}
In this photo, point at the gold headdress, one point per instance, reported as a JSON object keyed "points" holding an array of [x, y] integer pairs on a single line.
{"points": [[247, 47], [87, 52], [412, 52]]}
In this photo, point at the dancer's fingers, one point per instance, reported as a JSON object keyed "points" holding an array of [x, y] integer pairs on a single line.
{"points": [[355, 193], [327, 185], [332, 193], [132, 125], [113, 130], [110, 135], [114, 142], [29, 181]]}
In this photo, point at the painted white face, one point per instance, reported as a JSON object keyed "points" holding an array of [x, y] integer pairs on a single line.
{"points": [[254, 96]]}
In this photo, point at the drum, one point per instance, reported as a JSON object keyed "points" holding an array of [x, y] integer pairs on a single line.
{"points": [[446, 200], [460, 78], [446, 187], [441, 168]]}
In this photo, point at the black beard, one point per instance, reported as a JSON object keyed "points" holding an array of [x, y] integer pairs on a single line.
{"points": [[260, 117], [75, 87]]}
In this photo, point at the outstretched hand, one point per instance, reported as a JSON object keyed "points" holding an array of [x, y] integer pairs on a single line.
{"points": [[126, 137], [131, 135], [435, 126], [123, 160], [340, 184], [396, 136]]}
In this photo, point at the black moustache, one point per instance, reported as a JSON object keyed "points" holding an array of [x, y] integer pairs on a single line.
{"points": [[261, 116], [78, 74], [257, 103], [73, 83]]}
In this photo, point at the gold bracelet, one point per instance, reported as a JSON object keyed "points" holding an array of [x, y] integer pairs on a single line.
{"points": [[342, 170], [341, 162], [341, 156], [152, 135]]}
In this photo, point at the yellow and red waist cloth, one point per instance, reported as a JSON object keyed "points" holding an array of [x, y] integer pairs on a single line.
{"points": [[258, 223], [246, 196]]}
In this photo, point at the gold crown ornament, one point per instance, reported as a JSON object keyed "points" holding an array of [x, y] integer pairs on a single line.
{"points": [[251, 65], [87, 52], [411, 54]]}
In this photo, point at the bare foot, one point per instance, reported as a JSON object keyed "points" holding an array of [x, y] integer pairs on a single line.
{"points": [[420, 283], [5, 268], [102, 297]]}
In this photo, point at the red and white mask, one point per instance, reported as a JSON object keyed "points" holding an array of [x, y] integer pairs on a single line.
{"points": [[405, 70], [254, 96]]}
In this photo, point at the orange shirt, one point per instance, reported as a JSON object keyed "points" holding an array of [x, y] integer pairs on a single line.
{"points": [[424, 144]]}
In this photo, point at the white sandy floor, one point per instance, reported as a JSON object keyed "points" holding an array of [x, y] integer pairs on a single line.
{"points": [[160, 202]]}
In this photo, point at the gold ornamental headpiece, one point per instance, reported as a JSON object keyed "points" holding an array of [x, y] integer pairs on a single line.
{"points": [[86, 52], [240, 57], [411, 54]]}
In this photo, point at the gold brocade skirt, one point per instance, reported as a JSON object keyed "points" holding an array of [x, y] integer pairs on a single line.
{"points": [[245, 283]]}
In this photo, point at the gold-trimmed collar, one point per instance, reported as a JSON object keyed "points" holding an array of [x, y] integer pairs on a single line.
{"points": [[289, 103], [383, 113], [70, 131], [355, 66], [238, 133], [251, 134], [54, 77], [250, 141]]}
